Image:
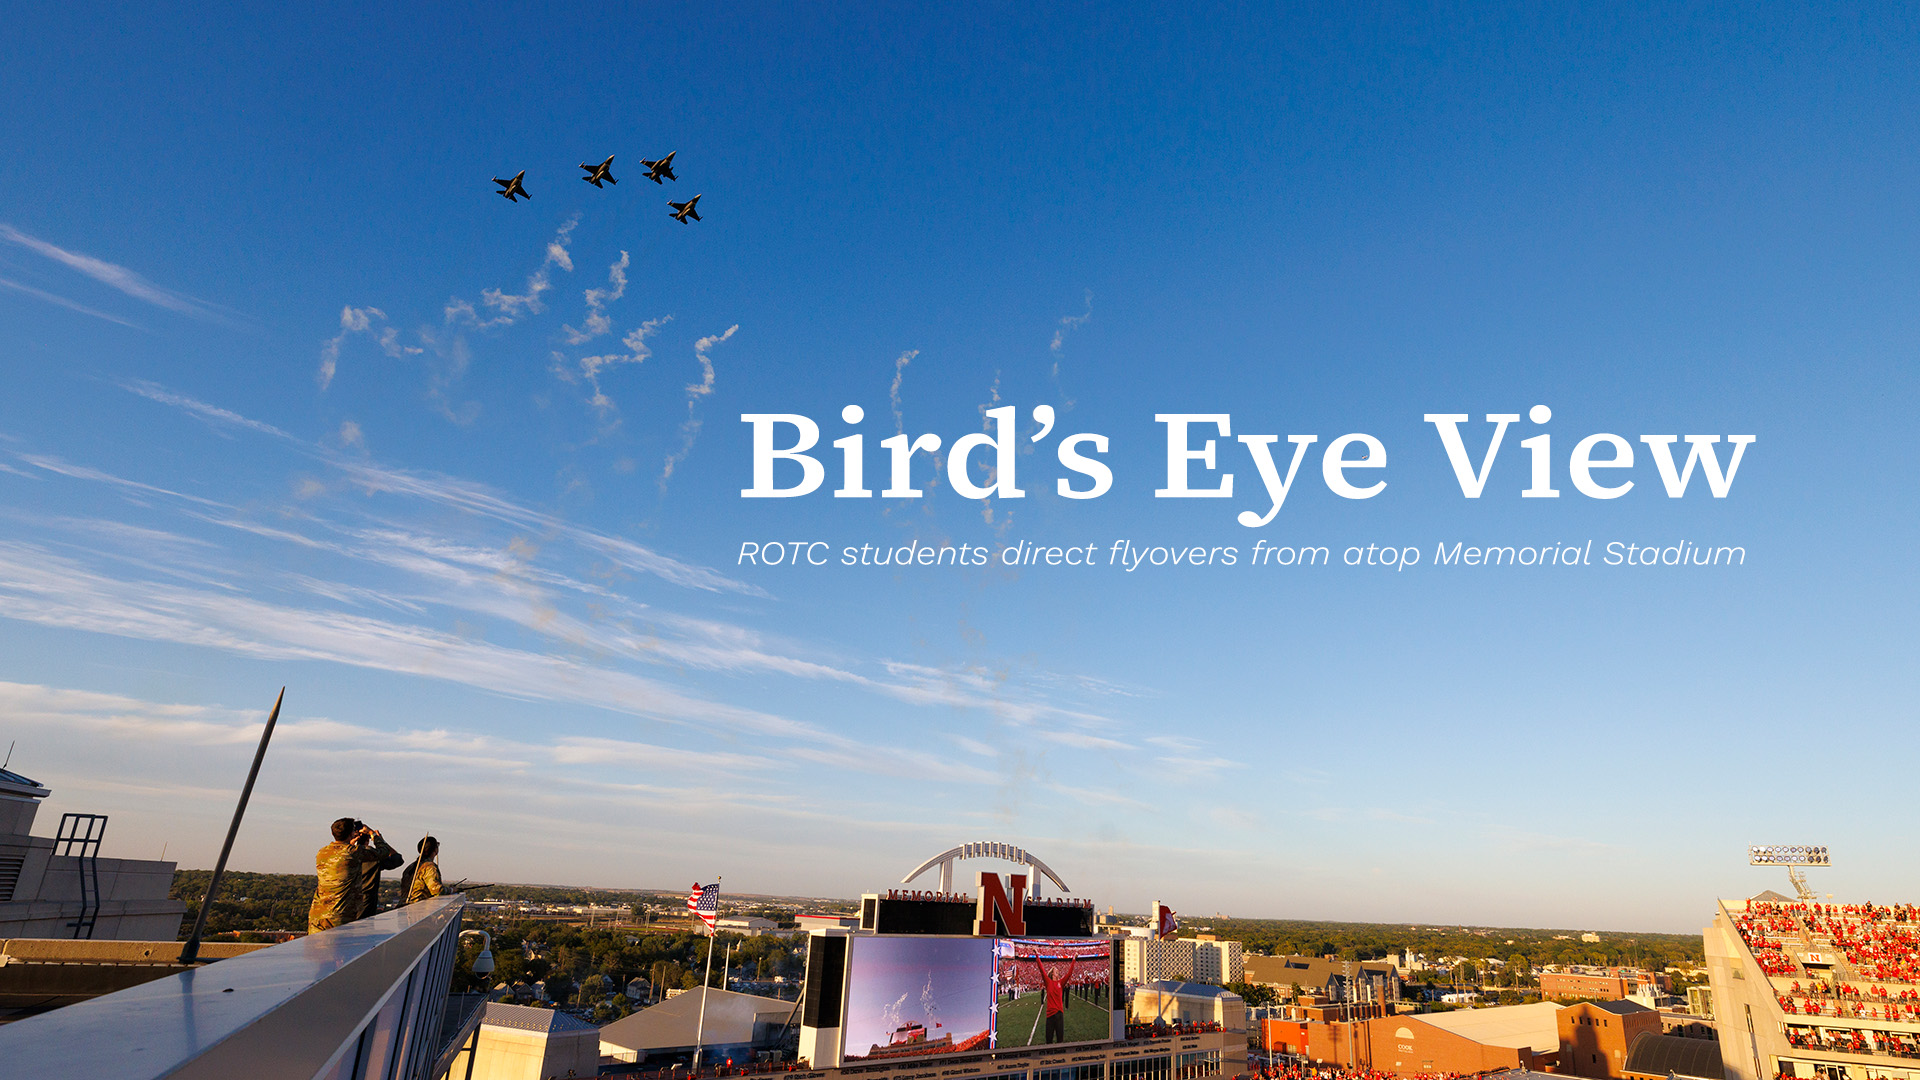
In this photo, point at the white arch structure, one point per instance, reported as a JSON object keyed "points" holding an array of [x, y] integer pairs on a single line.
{"points": [[985, 850]]}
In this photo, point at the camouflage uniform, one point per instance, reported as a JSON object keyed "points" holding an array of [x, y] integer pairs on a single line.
{"points": [[337, 898], [425, 883], [379, 856]]}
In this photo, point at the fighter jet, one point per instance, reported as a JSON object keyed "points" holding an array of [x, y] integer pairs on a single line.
{"points": [[658, 169], [597, 173], [510, 188], [684, 210]]}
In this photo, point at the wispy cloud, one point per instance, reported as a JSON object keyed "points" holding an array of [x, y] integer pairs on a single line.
{"points": [[322, 740], [61, 301], [355, 320], [508, 308], [690, 430], [211, 413], [171, 766], [114, 275], [450, 581], [1068, 324], [444, 491], [597, 321], [86, 472], [43, 587], [590, 368], [488, 583], [893, 392]]}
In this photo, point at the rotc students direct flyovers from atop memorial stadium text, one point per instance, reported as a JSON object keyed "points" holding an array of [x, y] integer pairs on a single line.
{"points": [[387, 859], [339, 865], [422, 878]]}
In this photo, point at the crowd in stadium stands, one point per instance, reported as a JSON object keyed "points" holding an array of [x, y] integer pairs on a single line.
{"points": [[1310, 1072], [1767, 951], [1845, 999], [1847, 1041], [1879, 951], [1810, 1006], [1160, 1030], [1882, 942], [681, 1072], [1026, 976]]}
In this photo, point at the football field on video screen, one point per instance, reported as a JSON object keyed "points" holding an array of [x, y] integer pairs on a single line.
{"points": [[1026, 970], [1018, 1021]]}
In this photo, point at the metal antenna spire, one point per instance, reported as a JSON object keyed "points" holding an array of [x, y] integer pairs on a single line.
{"points": [[190, 952]]}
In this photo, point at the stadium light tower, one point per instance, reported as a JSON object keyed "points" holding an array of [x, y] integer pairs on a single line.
{"points": [[1793, 857]]}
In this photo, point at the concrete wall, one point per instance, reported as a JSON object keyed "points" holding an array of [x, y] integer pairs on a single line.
{"points": [[17, 814], [46, 895], [1743, 1003]]}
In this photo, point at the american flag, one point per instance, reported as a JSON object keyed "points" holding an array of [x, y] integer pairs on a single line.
{"points": [[704, 901]]}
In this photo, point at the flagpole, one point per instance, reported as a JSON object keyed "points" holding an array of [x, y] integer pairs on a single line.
{"points": [[700, 1030]]}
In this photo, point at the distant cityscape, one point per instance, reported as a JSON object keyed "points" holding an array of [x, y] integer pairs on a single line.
{"points": [[536, 980]]}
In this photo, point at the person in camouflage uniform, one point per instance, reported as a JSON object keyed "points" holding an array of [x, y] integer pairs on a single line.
{"points": [[422, 879], [337, 898], [380, 856]]}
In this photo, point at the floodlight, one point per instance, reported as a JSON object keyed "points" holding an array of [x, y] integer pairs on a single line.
{"points": [[1787, 855], [1791, 856]]}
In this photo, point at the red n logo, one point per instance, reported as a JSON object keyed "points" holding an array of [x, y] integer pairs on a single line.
{"points": [[1000, 913]]}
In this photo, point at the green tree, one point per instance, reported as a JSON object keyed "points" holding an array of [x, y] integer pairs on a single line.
{"points": [[1253, 993], [1519, 970]]}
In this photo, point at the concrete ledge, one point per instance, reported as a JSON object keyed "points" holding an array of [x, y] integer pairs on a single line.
{"points": [[67, 951]]}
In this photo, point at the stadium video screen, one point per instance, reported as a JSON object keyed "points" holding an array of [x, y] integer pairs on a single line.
{"points": [[917, 995], [912, 996], [1051, 990]]}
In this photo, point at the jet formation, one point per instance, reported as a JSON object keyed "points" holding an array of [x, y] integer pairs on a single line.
{"points": [[659, 171]]}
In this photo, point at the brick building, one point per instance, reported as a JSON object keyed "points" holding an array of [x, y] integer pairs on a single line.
{"points": [[1467, 1041], [1603, 984], [1596, 1035]]}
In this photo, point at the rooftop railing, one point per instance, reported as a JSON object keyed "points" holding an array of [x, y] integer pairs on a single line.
{"points": [[364, 1001]]}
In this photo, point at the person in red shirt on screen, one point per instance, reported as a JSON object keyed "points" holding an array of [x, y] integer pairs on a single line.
{"points": [[1056, 1003]]}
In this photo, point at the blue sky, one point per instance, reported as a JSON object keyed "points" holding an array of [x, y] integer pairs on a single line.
{"points": [[289, 396]]}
